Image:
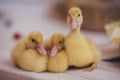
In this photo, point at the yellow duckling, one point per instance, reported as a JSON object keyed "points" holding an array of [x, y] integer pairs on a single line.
{"points": [[57, 59], [113, 31], [29, 54], [80, 51]]}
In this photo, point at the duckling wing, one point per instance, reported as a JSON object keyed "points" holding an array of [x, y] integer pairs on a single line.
{"points": [[96, 52]]}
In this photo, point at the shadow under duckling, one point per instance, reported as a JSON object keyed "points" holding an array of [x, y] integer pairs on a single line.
{"points": [[29, 54], [57, 59]]}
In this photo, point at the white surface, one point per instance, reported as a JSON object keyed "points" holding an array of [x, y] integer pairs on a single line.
{"points": [[37, 17]]}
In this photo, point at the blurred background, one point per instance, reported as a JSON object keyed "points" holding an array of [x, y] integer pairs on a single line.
{"points": [[20, 17]]}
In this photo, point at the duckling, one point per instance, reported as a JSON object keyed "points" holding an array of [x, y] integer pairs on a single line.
{"points": [[80, 50], [29, 53], [113, 31], [57, 59]]}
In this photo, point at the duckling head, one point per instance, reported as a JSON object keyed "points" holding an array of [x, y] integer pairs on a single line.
{"points": [[74, 18], [35, 41], [57, 42]]}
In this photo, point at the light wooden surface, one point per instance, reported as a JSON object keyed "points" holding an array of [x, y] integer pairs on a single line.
{"points": [[104, 71], [35, 16]]}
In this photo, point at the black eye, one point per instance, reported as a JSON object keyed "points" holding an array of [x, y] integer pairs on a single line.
{"points": [[33, 40], [69, 15], [60, 42], [78, 15]]}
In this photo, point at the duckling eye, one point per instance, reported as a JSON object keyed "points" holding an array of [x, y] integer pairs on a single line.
{"points": [[60, 42], [33, 40], [78, 15], [69, 15]]}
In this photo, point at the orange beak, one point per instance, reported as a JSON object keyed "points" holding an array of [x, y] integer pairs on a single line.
{"points": [[73, 24], [41, 49], [54, 51]]}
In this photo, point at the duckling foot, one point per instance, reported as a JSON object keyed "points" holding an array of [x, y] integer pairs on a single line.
{"points": [[89, 69]]}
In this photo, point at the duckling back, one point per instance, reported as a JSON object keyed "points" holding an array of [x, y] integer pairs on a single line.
{"points": [[18, 50]]}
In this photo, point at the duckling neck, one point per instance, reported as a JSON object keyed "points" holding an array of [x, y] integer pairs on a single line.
{"points": [[61, 49], [76, 30]]}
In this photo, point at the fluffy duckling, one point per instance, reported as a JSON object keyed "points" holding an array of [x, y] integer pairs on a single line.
{"points": [[113, 31], [80, 51], [57, 59], [29, 54]]}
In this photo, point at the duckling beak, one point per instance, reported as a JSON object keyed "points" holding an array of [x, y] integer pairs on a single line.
{"points": [[73, 24], [53, 51], [41, 49]]}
